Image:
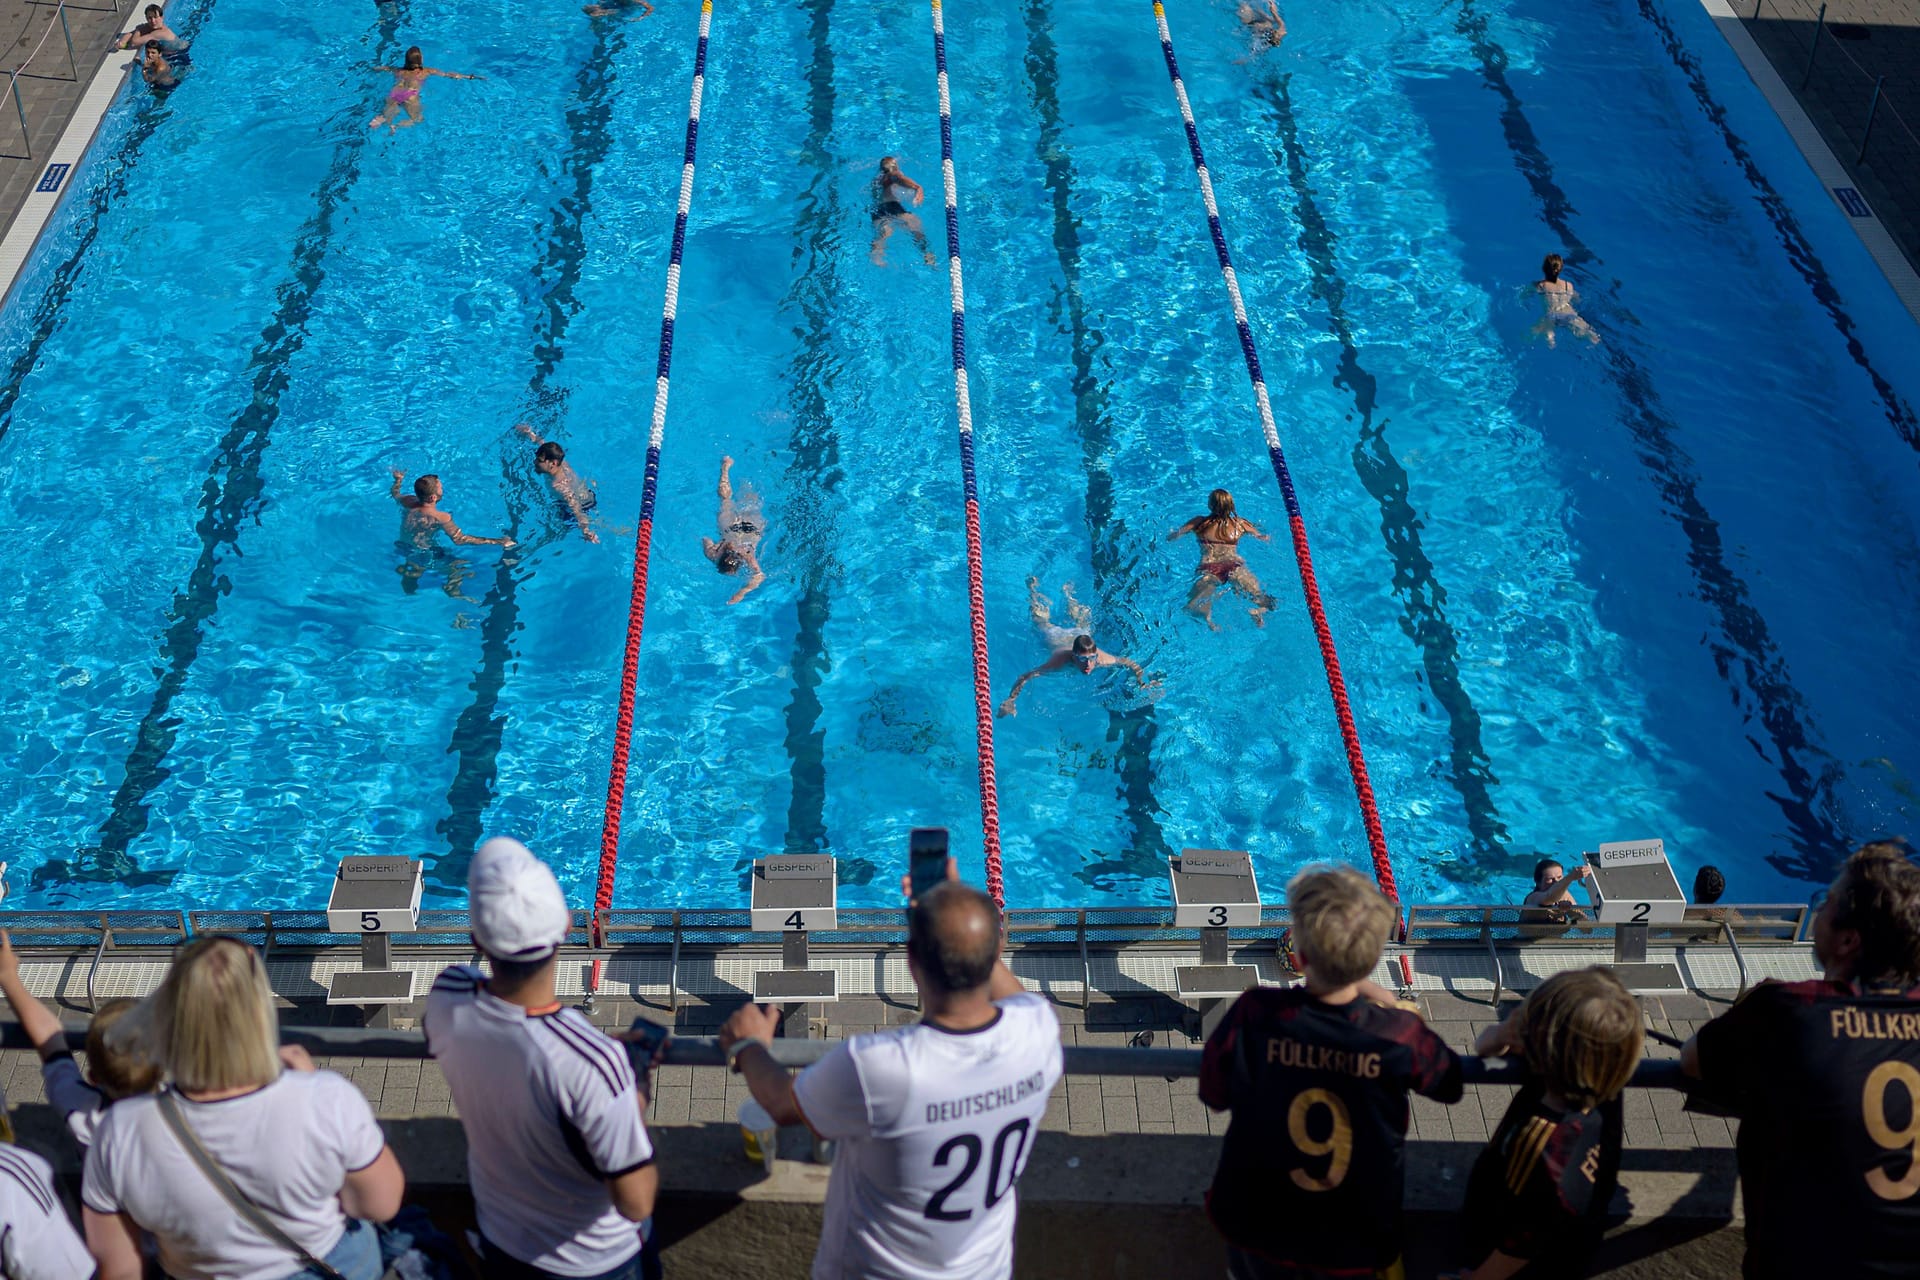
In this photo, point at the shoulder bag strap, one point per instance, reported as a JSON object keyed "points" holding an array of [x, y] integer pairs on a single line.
{"points": [[247, 1209]]}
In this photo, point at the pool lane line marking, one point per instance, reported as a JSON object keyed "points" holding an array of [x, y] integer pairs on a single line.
{"points": [[963, 408], [637, 602], [49, 312], [1422, 598], [481, 727], [813, 442], [1900, 275], [1296, 522], [1134, 729], [231, 493], [36, 211], [1744, 638]]}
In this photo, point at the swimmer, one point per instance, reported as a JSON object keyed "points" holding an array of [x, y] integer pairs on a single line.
{"points": [[888, 186], [1219, 532], [1072, 644], [155, 36], [405, 94], [421, 516], [1267, 29], [617, 7], [159, 74], [550, 460], [1558, 296], [741, 527]]}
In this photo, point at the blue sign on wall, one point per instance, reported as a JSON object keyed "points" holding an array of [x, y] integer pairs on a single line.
{"points": [[53, 177], [1850, 201]]}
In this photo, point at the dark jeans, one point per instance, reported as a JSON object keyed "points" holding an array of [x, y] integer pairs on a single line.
{"points": [[496, 1264]]}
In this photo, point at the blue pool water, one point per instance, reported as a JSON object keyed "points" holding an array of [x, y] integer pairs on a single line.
{"points": [[1659, 587]]}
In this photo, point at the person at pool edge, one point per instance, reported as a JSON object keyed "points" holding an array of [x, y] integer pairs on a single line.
{"points": [[741, 527], [1219, 532], [550, 460], [421, 516], [888, 186], [1558, 295], [1072, 644]]}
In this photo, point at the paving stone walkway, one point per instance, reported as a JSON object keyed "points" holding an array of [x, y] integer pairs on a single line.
{"points": [[51, 85]]}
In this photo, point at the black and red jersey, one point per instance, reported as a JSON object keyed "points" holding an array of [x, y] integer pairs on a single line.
{"points": [[1311, 1170], [1826, 1082], [1541, 1187]]}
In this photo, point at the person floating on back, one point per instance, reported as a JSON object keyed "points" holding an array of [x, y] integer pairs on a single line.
{"points": [[935, 1120], [1538, 1196], [1825, 1077], [408, 80], [1316, 1079], [111, 1073], [550, 460], [1557, 296], [741, 528], [1219, 532], [888, 186], [1072, 646]]}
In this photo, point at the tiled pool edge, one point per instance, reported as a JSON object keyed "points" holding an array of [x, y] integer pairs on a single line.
{"points": [[36, 211], [1826, 166]]}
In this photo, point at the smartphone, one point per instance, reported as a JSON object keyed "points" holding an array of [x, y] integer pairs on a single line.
{"points": [[645, 1039], [926, 858]]}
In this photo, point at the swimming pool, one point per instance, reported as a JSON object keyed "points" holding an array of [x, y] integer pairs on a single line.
{"points": [[1662, 586]]}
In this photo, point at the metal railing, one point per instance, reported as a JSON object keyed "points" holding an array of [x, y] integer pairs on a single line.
{"points": [[704, 1051], [59, 20], [1870, 115]]}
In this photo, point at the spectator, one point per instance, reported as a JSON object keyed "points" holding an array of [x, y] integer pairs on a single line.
{"points": [[935, 1120], [37, 1242], [1316, 1078], [1708, 886], [557, 1149], [1538, 1196], [80, 1100], [1825, 1077], [234, 1129]]}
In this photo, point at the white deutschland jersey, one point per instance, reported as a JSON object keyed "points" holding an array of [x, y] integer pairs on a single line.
{"points": [[934, 1128]]}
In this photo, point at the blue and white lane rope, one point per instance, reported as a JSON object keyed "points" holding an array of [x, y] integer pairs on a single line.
{"points": [[963, 405], [1296, 523], [637, 605]]}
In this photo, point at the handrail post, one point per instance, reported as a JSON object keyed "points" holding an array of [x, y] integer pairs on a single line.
{"points": [[72, 64], [1086, 964], [1755, 18], [1819, 25], [26, 139], [1873, 109], [673, 968]]}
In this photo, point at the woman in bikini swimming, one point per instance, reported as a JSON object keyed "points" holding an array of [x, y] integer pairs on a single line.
{"points": [[741, 528], [405, 94], [888, 186], [1220, 531]]}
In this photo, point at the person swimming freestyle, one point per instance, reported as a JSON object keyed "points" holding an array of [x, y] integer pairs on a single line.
{"points": [[1219, 532], [1071, 645], [405, 94], [741, 528], [888, 211]]}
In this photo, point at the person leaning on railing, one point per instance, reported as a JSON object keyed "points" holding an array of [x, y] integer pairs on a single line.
{"points": [[233, 1135], [557, 1149], [935, 1120], [1825, 1077]]}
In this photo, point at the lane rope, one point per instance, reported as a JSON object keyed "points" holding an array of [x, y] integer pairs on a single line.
{"points": [[1296, 523], [963, 404], [637, 604]]}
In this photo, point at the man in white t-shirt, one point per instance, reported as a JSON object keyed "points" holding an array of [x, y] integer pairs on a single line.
{"points": [[37, 1241], [557, 1151], [935, 1120]]}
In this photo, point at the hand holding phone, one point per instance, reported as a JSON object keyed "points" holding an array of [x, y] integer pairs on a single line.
{"points": [[926, 859]]}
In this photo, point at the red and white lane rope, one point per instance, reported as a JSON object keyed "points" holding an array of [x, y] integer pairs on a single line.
{"points": [[1296, 524], [637, 605], [976, 600]]}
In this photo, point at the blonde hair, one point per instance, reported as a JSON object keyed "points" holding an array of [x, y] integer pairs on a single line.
{"points": [[120, 1073], [1581, 1033], [212, 1024], [1340, 923]]}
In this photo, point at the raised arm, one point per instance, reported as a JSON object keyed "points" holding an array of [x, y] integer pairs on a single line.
{"points": [[526, 429], [39, 1022], [754, 579], [726, 484], [394, 492]]}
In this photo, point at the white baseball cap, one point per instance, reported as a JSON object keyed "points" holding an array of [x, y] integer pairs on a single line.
{"points": [[514, 903]]}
